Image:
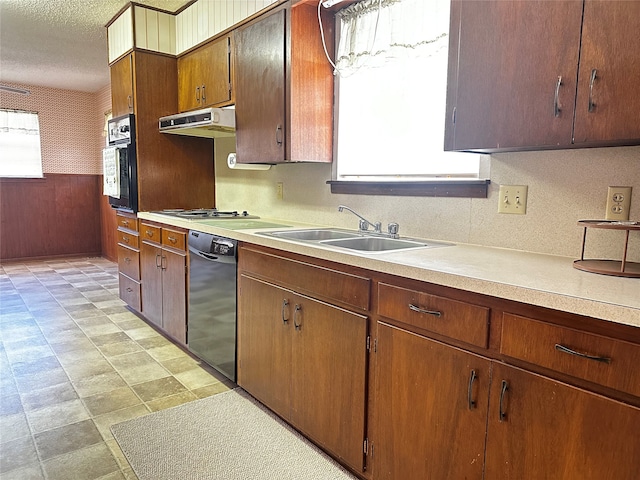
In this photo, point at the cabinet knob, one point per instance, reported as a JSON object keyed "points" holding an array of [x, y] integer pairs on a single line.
{"points": [[129, 289], [125, 239], [127, 260]]}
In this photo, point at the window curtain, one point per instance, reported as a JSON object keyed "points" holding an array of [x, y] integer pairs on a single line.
{"points": [[374, 31], [20, 144]]}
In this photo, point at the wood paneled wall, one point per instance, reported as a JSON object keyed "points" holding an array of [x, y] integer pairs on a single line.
{"points": [[58, 215]]}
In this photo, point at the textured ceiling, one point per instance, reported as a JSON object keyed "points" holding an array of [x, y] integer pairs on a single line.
{"points": [[60, 43]]}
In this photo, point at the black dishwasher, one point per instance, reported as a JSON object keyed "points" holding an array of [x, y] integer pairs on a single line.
{"points": [[211, 315]]}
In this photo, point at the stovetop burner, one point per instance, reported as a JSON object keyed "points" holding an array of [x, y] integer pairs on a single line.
{"points": [[206, 213]]}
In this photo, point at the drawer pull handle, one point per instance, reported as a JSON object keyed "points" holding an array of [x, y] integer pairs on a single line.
{"points": [[472, 378], [127, 260], [172, 239], [435, 313], [592, 79], [503, 391], [158, 265], [296, 315], [556, 103], [125, 239], [563, 349], [129, 289], [285, 303], [125, 223], [149, 233]]}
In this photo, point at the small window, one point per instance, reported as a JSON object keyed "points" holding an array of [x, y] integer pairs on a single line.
{"points": [[20, 144], [391, 78]]}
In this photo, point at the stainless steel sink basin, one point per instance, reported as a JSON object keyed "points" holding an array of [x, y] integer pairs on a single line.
{"points": [[359, 241], [375, 244], [314, 234]]}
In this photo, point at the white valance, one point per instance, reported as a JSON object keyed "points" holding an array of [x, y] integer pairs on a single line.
{"points": [[372, 31]]}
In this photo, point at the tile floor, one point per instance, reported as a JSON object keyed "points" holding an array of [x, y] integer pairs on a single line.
{"points": [[73, 362]]}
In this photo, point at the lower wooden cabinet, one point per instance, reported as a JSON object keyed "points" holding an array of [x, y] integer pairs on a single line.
{"points": [[306, 360], [431, 404], [540, 428], [128, 259], [163, 270]]}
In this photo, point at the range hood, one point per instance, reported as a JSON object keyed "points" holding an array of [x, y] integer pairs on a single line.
{"points": [[208, 123]]}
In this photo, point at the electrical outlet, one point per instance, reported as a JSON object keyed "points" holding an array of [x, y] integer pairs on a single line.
{"points": [[618, 203], [279, 190], [513, 199]]}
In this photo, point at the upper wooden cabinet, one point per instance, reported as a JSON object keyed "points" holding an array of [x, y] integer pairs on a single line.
{"points": [[122, 86], [513, 69], [205, 76], [283, 88]]}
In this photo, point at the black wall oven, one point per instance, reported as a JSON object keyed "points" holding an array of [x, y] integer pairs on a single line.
{"points": [[120, 167]]}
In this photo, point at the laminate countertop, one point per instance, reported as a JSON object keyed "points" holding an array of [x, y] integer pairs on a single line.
{"points": [[544, 280]]}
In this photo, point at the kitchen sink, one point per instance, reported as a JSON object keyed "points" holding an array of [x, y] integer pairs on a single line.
{"points": [[375, 244], [314, 234], [352, 240]]}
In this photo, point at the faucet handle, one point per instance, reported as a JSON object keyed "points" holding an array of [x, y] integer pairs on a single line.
{"points": [[393, 229], [363, 225]]}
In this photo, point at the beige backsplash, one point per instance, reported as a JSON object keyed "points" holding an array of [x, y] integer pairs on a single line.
{"points": [[564, 186]]}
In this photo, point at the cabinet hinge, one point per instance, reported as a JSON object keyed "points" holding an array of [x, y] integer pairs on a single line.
{"points": [[375, 346], [453, 116], [366, 446], [368, 343]]}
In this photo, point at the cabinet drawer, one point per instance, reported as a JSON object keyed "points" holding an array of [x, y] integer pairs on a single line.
{"points": [[603, 360], [129, 222], [129, 262], [458, 320], [130, 292], [128, 239], [306, 278], [174, 239], [150, 233]]}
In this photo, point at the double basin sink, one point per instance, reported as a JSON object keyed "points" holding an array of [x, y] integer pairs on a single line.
{"points": [[351, 240]]}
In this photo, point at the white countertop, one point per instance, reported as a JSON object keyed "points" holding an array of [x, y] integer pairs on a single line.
{"points": [[538, 279]]}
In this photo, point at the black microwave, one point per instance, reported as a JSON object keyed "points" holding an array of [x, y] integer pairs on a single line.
{"points": [[119, 164]]}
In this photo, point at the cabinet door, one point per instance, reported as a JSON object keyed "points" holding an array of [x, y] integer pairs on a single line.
{"points": [[260, 90], [122, 86], [329, 373], [515, 73], [608, 103], [431, 408], [550, 430], [151, 281], [204, 76], [264, 343], [174, 295]]}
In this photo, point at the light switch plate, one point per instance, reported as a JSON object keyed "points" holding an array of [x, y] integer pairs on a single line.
{"points": [[618, 203], [512, 199]]}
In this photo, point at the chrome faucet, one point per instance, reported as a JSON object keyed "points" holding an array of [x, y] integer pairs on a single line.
{"points": [[363, 225]]}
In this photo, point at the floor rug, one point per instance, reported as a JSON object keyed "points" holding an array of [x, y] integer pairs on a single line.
{"points": [[226, 436]]}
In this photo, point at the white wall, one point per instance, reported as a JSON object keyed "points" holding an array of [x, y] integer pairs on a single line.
{"points": [[564, 186]]}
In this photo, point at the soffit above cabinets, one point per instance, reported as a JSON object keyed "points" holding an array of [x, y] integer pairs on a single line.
{"points": [[150, 29]]}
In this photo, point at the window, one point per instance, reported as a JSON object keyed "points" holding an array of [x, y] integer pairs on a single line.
{"points": [[20, 144], [391, 77]]}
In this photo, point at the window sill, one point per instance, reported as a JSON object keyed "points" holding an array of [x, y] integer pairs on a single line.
{"points": [[436, 188]]}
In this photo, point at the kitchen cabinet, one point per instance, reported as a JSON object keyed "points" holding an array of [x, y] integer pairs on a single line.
{"points": [[122, 87], [303, 357], [205, 76], [163, 268], [129, 259], [542, 428], [283, 88], [145, 84], [526, 82], [539, 400], [432, 403]]}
